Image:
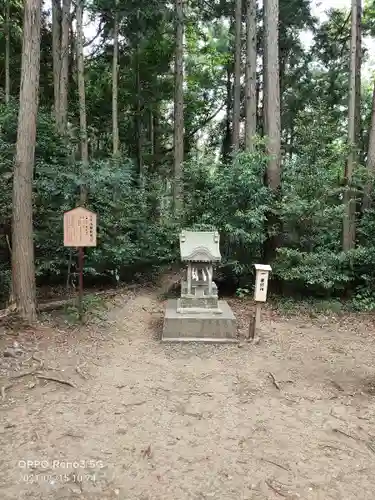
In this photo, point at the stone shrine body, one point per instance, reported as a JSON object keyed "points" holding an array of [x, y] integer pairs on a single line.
{"points": [[198, 315]]}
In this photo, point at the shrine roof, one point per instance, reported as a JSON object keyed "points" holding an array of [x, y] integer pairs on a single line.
{"points": [[200, 246]]}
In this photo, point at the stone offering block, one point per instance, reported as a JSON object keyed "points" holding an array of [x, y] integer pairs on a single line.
{"points": [[201, 327]]}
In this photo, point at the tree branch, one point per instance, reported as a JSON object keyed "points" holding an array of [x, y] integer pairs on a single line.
{"points": [[200, 126], [100, 31]]}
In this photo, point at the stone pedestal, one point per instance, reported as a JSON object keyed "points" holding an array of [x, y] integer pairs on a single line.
{"points": [[202, 326], [198, 315]]}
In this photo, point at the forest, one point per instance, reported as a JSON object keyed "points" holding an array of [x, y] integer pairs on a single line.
{"points": [[191, 114], [255, 119]]}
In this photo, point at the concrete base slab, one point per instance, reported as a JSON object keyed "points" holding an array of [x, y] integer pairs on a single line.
{"points": [[199, 327]]}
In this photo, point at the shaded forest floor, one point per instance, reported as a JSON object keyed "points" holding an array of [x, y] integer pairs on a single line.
{"points": [[292, 417]]}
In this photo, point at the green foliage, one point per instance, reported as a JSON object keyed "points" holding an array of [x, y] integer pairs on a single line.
{"points": [[317, 271], [232, 199], [364, 299], [311, 215], [294, 306], [243, 292], [137, 229], [128, 236], [93, 309]]}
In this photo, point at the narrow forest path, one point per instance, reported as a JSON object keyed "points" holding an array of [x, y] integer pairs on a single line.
{"points": [[147, 421]]}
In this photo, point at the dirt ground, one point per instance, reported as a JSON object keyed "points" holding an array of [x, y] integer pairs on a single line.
{"points": [[291, 417]]}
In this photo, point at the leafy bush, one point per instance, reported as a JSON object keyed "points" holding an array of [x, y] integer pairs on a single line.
{"points": [[233, 199], [311, 212], [318, 271], [129, 239], [136, 230]]}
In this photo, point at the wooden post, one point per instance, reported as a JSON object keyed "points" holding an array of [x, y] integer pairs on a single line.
{"points": [[258, 309], [80, 296], [255, 323]]}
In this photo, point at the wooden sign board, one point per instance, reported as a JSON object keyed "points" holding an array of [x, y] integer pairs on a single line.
{"points": [[79, 228]]}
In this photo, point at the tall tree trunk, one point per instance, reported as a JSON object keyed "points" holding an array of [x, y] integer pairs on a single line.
{"points": [[56, 55], [237, 76], [7, 52], [251, 74], [291, 140], [158, 145], [358, 64], [64, 66], [370, 162], [264, 80], [178, 135], [138, 117], [23, 267], [272, 96], [272, 116], [151, 134], [82, 97], [72, 53], [348, 236], [227, 138], [139, 125], [257, 105], [283, 60], [73, 71], [115, 130]]}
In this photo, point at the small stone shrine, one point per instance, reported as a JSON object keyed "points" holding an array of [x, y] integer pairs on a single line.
{"points": [[198, 315]]}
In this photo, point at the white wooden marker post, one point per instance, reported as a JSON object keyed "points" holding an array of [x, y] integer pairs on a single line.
{"points": [[80, 232], [260, 295]]}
